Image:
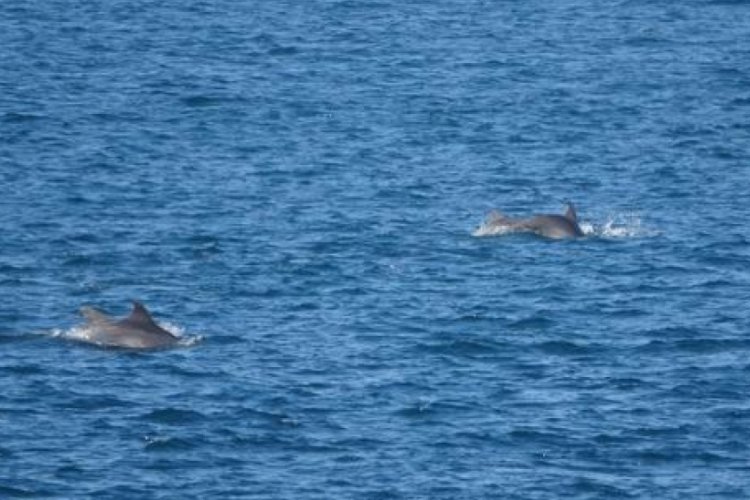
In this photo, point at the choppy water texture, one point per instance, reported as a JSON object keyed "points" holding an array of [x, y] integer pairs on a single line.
{"points": [[297, 184]]}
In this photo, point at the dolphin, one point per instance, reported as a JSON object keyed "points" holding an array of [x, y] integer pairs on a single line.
{"points": [[548, 225], [137, 331]]}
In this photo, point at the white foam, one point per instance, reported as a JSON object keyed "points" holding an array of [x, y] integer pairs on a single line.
{"points": [[179, 332], [488, 229], [80, 333], [424, 403], [624, 225]]}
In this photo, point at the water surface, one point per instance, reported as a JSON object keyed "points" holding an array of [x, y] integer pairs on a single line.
{"points": [[295, 185]]}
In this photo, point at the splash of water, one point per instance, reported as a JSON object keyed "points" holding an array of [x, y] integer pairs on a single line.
{"points": [[489, 229], [616, 226]]}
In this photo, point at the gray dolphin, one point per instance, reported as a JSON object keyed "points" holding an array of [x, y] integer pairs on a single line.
{"points": [[547, 225], [137, 331]]}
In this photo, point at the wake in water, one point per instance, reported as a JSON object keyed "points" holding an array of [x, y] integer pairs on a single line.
{"points": [[615, 226]]}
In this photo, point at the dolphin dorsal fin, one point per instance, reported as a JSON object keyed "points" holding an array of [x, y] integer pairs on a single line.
{"points": [[140, 315], [570, 213]]}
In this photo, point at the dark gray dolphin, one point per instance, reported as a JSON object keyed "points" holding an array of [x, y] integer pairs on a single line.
{"points": [[547, 225], [137, 331]]}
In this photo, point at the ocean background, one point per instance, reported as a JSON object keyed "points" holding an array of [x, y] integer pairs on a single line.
{"points": [[294, 187]]}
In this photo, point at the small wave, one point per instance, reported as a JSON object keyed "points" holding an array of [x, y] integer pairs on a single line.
{"points": [[420, 408], [200, 101], [91, 402], [20, 117], [532, 322], [562, 348], [166, 443], [695, 345], [10, 338], [13, 492], [174, 416], [463, 347], [283, 51], [21, 370]]}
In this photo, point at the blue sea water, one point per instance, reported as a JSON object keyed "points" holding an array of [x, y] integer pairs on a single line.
{"points": [[295, 187]]}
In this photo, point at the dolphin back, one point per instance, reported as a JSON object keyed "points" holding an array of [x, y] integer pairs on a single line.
{"points": [[554, 226], [138, 330], [93, 316], [548, 225]]}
